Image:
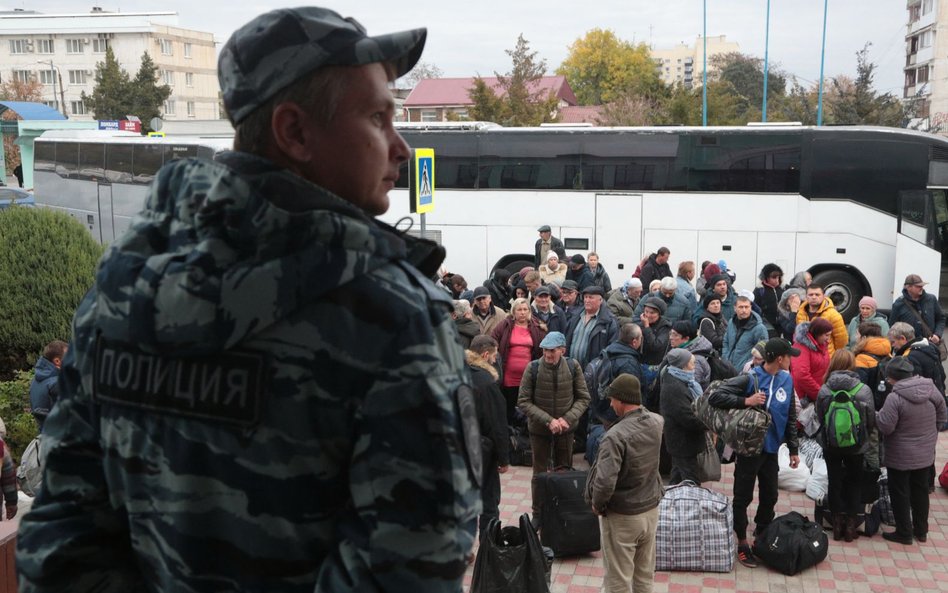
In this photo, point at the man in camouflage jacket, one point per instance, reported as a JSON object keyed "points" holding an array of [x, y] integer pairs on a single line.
{"points": [[264, 391]]}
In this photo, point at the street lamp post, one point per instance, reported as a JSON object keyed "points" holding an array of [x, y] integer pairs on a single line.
{"points": [[819, 103], [704, 69], [56, 74], [763, 108]]}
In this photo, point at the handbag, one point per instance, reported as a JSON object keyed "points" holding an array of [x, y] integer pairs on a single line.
{"points": [[942, 349], [709, 461], [808, 419]]}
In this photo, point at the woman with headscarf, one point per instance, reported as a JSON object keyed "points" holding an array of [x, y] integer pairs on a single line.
{"points": [[684, 433], [867, 313], [711, 323], [518, 342], [787, 307]]}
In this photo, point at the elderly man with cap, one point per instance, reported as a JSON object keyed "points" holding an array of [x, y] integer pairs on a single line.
{"points": [[569, 299], [677, 307], [486, 314], [553, 396], [623, 302], [919, 309], [769, 386], [593, 329], [624, 488], [264, 391], [546, 243], [655, 339], [549, 315], [909, 422]]}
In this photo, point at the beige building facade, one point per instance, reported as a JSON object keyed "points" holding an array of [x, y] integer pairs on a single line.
{"points": [[62, 50], [684, 64], [926, 64]]}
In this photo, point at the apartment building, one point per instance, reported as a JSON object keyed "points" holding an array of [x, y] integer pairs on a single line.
{"points": [[926, 64], [62, 50], [684, 63]]}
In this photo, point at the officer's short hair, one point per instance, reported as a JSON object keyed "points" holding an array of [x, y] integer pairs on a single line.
{"points": [[629, 332], [482, 344], [55, 349]]}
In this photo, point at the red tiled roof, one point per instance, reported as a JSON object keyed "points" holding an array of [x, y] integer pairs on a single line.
{"points": [[579, 114], [437, 92]]}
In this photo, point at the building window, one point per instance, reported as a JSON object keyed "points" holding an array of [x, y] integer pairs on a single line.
{"points": [[78, 107], [429, 115], [169, 107], [21, 76], [925, 39], [74, 46], [187, 50], [45, 46], [922, 75], [167, 77], [53, 104], [915, 12], [167, 48], [926, 6], [47, 76], [77, 77], [99, 46], [189, 78], [190, 108], [19, 46]]}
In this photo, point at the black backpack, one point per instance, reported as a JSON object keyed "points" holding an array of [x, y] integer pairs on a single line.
{"points": [[791, 543], [721, 368]]}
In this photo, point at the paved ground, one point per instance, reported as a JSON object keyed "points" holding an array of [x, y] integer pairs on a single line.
{"points": [[871, 565]]}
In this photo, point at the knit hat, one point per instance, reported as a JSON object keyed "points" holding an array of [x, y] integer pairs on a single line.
{"points": [[868, 300], [684, 327], [678, 357], [820, 326], [711, 296], [552, 255], [578, 259], [656, 303], [625, 388], [899, 368], [760, 348], [717, 278]]}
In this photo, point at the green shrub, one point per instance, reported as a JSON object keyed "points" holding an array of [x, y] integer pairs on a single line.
{"points": [[15, 412], [47, 263]]}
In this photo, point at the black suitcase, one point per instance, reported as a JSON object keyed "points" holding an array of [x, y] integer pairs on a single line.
{"points": [[567, 524], [791, 543]]}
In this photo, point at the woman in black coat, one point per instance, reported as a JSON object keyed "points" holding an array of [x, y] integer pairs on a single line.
{"points": [[684, 433]]}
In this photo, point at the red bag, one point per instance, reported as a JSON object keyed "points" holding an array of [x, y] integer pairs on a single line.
{"points": [[943, 477]]}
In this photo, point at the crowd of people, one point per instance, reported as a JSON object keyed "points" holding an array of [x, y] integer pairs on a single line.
{"points": [[657, 341]]}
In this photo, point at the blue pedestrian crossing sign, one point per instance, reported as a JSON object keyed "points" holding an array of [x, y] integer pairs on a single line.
{"points": [[422, 180]]}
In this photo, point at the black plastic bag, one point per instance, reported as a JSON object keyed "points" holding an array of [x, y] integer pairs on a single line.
{"points": [[792, 543], [511, 559]]}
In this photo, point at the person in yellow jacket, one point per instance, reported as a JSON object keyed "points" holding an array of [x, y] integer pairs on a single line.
{"points": [[818, 305]]}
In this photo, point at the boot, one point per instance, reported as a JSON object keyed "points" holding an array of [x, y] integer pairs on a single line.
{"points": [[850, 532], [839, 526]]}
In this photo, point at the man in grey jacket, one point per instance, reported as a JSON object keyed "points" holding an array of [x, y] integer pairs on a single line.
{"points": [[624, 489]]}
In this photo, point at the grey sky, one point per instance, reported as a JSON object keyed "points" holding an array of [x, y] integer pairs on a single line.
{"points": [[470, 38]]}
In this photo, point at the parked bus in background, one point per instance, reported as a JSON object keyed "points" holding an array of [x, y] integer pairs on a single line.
{"points": [[859, 207], [101, 177]]}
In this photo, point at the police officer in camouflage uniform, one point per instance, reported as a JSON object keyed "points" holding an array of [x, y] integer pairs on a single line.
{"points": [[264, 391]]}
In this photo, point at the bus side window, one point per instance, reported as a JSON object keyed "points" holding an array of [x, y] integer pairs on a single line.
{"points": [[67, 160], [118, 163], [91, 161], [147, 160], [44, 158]]}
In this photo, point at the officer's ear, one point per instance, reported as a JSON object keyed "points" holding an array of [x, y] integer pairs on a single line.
{"points": [[292, 131]]}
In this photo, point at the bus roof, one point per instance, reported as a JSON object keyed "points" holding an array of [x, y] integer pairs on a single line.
{"points": [[121, 137]]}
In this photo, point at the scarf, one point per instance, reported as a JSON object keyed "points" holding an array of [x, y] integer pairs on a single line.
{"points": [[689, 378]]}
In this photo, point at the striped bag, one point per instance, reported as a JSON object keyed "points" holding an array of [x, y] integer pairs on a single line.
{"points": [[695, 530]]}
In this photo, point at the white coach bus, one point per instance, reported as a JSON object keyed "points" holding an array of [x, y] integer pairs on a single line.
{"points": [[859, 207], [101, 177]]}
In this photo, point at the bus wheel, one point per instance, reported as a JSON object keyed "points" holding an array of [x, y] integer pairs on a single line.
{"points": [[515, 266], [844, 289]]}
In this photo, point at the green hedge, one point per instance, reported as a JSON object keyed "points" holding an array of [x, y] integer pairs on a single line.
{"points": [[15, 412], [47, 264]]}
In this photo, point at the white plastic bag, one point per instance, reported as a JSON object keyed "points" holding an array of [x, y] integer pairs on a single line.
{"points": [[794, 480], [818, 485]]}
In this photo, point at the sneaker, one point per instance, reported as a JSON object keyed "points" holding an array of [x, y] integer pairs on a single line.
{"points": [[746, 556], [895, 537]]}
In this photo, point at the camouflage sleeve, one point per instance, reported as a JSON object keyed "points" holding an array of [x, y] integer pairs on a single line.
{"points": [[74, 539], [414, 498]]}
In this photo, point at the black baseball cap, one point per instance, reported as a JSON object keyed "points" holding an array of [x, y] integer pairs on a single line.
{"points": [[779, 347]]}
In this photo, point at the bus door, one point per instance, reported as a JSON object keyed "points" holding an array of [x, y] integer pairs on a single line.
{"points": [[618, 234], [106, 222], [918, 242]]}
